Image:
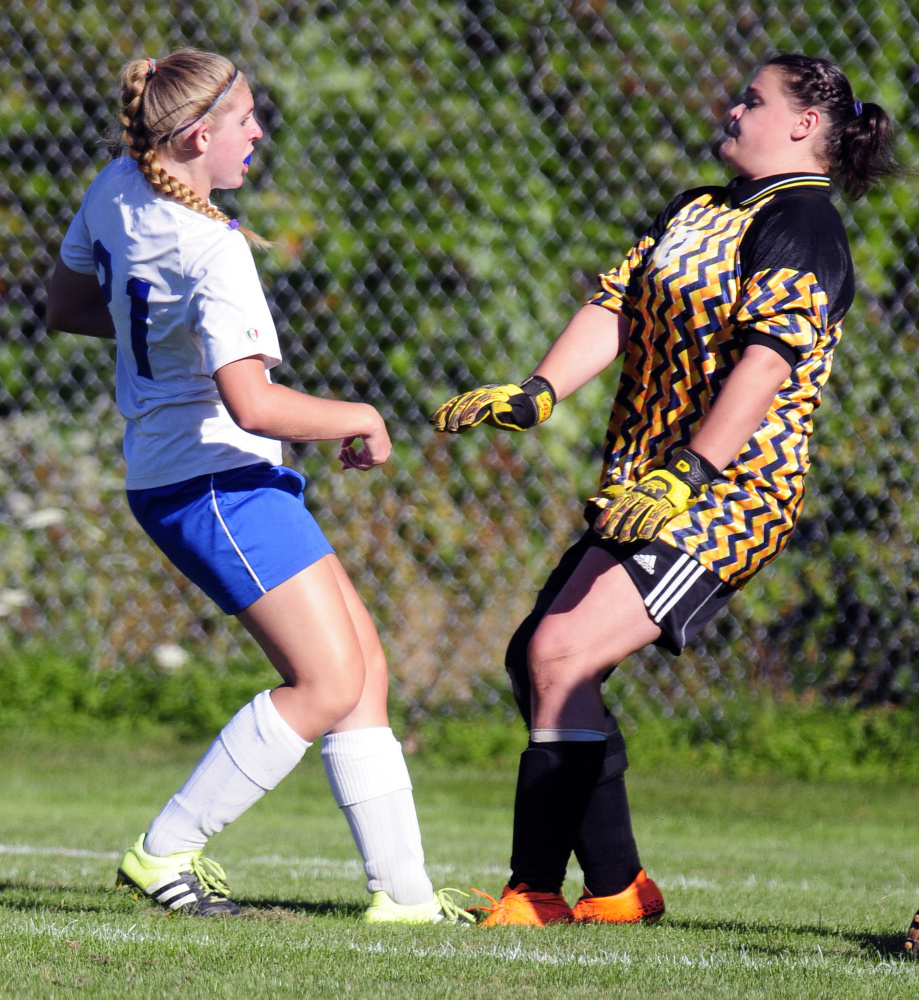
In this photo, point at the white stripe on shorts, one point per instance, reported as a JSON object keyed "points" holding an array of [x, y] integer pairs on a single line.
{"points": [[678, 579], [236, 548]]}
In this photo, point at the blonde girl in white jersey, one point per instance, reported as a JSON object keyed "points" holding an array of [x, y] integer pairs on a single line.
{"points": [[150, 262]]}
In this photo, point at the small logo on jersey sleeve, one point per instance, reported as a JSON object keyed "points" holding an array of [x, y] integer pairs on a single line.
{"points": [[252, 334]]}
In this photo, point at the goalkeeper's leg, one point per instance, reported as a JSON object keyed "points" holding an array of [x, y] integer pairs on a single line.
{"points": [[604, 844]]}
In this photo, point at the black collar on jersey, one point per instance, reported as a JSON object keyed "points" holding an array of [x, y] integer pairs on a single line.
{"points": [[743, 192]]}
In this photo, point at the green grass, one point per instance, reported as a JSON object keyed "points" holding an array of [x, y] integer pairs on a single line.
{"points": [[775, 888]]}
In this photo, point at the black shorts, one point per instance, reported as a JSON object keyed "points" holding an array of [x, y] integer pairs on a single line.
{"points": [[681, 595]]}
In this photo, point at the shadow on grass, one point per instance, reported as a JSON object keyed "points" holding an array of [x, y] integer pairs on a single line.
{"points": [[26, 896], [876, 945], [32, 897], [884, 945], [320, 909]]}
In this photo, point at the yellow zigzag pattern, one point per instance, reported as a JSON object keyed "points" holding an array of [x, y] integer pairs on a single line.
{"points": [[689, 317]]}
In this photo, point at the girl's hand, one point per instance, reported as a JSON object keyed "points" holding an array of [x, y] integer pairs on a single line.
{"points": [[375, 449]]}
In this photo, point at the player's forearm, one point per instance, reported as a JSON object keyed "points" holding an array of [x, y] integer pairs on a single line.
{"points": [[593, 339], [743, 403], [288, 415]]}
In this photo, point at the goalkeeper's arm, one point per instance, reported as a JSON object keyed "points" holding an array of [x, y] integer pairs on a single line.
{"points": [[639, 512], [590, 343], [593, 339], [745, 400]]}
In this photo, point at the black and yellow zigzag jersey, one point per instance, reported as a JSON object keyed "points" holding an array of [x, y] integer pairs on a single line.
{"points": [[763, 262]]}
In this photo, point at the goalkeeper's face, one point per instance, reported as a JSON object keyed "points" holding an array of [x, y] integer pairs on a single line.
{"points": [[763, 129]]}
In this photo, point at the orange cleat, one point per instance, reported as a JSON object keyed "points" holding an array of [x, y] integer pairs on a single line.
{"points": [[640, 902], [911, 944], [524, 907]]}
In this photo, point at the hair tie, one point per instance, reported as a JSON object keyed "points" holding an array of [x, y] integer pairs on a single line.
{"points": [[858, 108], [233, 223], [151, 66]]}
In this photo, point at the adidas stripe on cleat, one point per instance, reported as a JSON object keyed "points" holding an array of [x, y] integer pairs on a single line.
{"points": [[639, 902], [183, 883], [440, 909], [524, 907]]}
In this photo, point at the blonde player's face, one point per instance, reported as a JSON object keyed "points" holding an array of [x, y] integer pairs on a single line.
{"points": [[232, 139], [761, 129]]}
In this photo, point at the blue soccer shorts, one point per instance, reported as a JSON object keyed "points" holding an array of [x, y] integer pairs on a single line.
{"points": [[236, 534]]}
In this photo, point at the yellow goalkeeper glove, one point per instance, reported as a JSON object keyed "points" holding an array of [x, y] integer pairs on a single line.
{"points": [[637, 513], [510, 407]]}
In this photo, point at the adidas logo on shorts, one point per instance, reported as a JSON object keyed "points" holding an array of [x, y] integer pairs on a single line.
{"points": [[646, 562]]}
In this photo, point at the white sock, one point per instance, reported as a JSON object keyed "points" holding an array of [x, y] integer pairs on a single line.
{"points": [[252, 753], [370, 782]]}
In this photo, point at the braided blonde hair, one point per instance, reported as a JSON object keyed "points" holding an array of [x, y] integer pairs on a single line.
{"points": [[157, 98]]}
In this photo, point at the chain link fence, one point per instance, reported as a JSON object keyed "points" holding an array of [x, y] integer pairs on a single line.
{"points": [[443, 181]]}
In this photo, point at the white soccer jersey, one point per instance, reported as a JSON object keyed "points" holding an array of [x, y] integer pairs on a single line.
{"points": [[185, 299]]}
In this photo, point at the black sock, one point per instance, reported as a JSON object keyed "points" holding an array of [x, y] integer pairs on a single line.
{"points": [[604, 845], [554, 786]]}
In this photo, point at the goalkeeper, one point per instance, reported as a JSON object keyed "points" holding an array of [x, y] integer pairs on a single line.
{"points": [[726, 313]]}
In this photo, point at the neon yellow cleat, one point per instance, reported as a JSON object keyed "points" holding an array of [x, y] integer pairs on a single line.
{"points": [[440, 908], [184, 882]]}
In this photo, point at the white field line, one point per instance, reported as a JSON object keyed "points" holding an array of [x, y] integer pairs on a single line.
{"points": [[81, 930], [57, 852], [303, 866], [516, 953], [330, 866], [468, 952]]}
